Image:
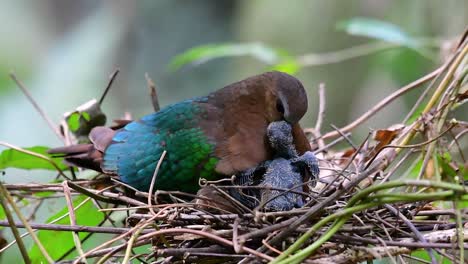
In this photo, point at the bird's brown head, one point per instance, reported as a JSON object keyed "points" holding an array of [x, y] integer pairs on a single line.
{"points": [[289, 96]]}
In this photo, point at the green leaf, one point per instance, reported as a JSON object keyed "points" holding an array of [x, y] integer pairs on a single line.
{"points": [[204, 53], [2, 213], [58, 243], [2, 216], [11, 158], [422, 254], [416, 114], [377, 29], [86, 116], [73, 121], [448, 171], [43, 194], [415, 169], [82, 120]]}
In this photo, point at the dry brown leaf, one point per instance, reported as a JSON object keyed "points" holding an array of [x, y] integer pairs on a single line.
{"points": [[384, 137]]}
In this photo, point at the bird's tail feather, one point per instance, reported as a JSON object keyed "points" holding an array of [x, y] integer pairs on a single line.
{"points": [[87, 155]]}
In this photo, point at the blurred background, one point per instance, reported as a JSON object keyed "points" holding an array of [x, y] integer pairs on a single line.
{"points": [[64, 52]]}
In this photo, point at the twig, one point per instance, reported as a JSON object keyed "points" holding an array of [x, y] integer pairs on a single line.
{"points": [[334, 142], [137, 192], [109, 242], [413, 229], [153, 181], [439, 91], [130, 243], [360, 254], [109, 85], [436, 239], [318, 125], [460, 229], [455, 141], [6, 195], [93, 194], [345, 168], [322, 103], [106, 196], [207, 235], [235, 231], [153, 93], [343, 135], [425, 92], [392, 170], [410, 146], [37, 107], [11, 223], [211, 250], [72, 217], [384, 103]]}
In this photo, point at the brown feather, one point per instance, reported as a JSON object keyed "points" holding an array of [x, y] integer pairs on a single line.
{"points": [[300, 140], [243, 111], [101, 137], [87, 155]]}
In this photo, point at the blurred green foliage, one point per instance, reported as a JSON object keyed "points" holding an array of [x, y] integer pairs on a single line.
{"points": [[401, 63], [204, 53], [377, 29]]}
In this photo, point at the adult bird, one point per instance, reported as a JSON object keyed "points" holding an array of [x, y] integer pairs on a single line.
{"points": [[214, 136]]}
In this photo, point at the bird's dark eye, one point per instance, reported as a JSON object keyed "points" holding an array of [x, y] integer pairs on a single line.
{"points": [[279, 106]]}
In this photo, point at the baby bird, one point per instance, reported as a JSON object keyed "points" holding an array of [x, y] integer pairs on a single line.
{"points": [[280, 181]]}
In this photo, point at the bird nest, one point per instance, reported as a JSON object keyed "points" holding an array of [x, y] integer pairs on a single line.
{"points": [[387, 197]]}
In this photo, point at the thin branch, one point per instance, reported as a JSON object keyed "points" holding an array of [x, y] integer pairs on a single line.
{"points": [[11, 223], [412, 145], [331, 144], [207, 235], [109, 85], [153, 181], [322, 103], [36, 240], [130, 243], [381, 104], [71, 210], [413, 229], [153, 93], [460, 56], [37, 107], [343, 135]]}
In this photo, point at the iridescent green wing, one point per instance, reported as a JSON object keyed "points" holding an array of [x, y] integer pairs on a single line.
{"points": [[136, 149]]}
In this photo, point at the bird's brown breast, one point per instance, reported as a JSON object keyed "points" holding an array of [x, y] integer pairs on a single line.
{"points": [[243, 111]]}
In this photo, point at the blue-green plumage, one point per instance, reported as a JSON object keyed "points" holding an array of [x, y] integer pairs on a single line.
{"points": [[136, 149]]}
